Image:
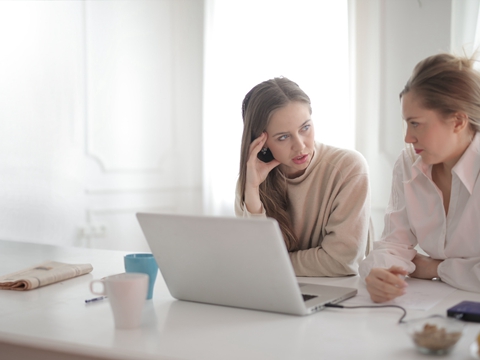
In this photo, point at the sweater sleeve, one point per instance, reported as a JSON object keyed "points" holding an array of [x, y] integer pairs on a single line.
{"points": [[346, 230], [396, 246], [241, 209]]}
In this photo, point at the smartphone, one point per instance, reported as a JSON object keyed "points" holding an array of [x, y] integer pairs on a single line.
{"points": [[267, 157], [466, 311]]}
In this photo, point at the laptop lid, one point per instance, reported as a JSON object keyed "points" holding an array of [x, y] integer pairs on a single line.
{"points": [[230, 261]]}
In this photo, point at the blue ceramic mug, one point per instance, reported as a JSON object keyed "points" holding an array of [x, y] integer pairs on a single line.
{"points": [[143, 263]]}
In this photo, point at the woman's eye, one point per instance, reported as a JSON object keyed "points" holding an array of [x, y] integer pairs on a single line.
{"points": [[414, 124], [306, 127], [283, 137]]}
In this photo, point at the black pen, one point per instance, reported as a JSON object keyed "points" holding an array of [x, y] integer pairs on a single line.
{"points": [[95, 299]]}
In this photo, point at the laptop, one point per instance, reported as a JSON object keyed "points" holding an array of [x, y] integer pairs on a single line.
{"points": [[235, 262]]}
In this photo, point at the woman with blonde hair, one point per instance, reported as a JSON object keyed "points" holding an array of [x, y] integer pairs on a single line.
{"points": [[319, 194], [435, 199]]}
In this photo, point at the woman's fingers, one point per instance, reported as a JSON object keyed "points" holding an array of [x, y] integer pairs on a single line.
{"points": [[272, 164], [385, 284], [379, 296], [257, 170], [257, 145], [397, 270]]}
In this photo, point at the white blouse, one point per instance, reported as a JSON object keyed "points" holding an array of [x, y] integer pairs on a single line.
{"points": [[415, 215]]}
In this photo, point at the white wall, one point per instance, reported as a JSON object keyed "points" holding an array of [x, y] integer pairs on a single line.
{"points": [[144, 63], [390, 38], [42, 113], [100, 117]]}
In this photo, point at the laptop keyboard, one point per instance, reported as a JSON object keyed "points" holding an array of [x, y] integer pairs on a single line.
{"points": [[308, 297]]}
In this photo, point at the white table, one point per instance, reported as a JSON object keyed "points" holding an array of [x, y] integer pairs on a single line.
{"points": [[54, 322]]}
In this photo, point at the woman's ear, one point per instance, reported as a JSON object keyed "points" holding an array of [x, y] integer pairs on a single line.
{"points": [[461, 122]]}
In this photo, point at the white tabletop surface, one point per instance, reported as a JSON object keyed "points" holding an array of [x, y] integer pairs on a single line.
{"points": [[39, 323]]}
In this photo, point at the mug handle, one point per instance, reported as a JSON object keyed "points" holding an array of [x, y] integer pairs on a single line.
{"points": [[96, 292]]}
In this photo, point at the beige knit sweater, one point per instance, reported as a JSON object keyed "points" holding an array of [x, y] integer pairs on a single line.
{"points": [[330, 212]]}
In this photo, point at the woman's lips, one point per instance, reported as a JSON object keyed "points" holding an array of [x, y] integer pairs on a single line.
{"points": [[300, 159], [418, 151]]}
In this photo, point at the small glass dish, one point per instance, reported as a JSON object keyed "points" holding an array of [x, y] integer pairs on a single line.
{"points": [[474, 350], [434, 335]]}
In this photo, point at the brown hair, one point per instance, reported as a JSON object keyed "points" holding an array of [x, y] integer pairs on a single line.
{"points": [[447, 84], [257, 109]]}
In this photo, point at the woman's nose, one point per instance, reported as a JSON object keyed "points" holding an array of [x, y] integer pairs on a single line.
{"points": [[409, 138], [298, 144]]}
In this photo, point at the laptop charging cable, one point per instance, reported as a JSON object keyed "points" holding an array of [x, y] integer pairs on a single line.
{"points": [[400, 321]]}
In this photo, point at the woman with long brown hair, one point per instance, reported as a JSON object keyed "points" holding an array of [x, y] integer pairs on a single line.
{"points": [[319, 194]]}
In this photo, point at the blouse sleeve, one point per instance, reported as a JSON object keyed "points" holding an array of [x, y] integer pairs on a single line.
{"points": [[462, 273], [396, 246], [346, 232]]}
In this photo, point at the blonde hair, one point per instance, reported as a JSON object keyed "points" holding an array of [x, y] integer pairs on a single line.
{"points": [[257, 108], [447, 84]]}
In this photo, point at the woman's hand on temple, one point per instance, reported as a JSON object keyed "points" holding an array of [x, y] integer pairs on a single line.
{"points": [[257, 172], [386, 284]]}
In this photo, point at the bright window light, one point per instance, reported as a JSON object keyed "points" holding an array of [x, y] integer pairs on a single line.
{"points": [[250, 41]]}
